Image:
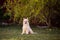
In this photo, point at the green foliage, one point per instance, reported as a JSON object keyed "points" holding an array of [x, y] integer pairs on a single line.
{"points": [[24, 8], [29, 8]]}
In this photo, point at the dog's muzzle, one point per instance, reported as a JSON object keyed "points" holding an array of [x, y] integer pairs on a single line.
{"points": [[26, 22]]}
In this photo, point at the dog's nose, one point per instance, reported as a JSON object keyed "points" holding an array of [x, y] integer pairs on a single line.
{"points": [[26, 22]]}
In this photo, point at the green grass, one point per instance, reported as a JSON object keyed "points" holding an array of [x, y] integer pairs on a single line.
{"points": [[14, 33]]}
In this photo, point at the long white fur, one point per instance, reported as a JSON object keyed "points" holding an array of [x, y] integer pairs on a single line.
{"points": [[26, 29]]}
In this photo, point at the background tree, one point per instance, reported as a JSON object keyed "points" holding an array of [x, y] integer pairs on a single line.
{"points": [[38, 11]]}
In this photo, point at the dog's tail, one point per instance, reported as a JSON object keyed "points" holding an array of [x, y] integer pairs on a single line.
{"points": [[35, 33]]}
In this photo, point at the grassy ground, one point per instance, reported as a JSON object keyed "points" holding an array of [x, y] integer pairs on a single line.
{"points": [[14, 33]]}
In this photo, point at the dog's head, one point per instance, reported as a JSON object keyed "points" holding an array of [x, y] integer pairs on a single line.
{"points": [[25, 20]]}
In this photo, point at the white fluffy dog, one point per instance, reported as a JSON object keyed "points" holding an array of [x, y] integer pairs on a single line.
{"points": [[26, 29]]}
